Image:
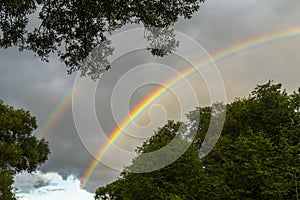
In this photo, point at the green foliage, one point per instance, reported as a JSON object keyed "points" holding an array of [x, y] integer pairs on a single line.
{"points": [[73, 28], [19, 150], [6, 189], [256, 157]]}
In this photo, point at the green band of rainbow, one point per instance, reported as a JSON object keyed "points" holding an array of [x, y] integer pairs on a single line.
{"points": [[54, 116], [287, 34]]}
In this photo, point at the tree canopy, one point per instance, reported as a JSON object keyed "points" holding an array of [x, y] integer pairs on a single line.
{"points": [[19, 149], [73, 28], [256, 157]]}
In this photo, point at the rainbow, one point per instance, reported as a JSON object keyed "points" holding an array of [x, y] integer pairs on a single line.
{"points": [[246, 45], [66, 100], [54, 116]]}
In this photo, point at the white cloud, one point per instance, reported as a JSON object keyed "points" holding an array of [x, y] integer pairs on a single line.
{"points": [[56, 187], [26, 182]]}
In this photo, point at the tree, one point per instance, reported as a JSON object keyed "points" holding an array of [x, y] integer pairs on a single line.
{"points": [[19, 149], [6, 189], [256, 157], [73, 28], [171, 182]]}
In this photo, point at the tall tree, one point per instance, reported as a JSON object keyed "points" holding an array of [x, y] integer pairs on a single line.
{"points": [[19, 149], [256, 157], [73, 28]]}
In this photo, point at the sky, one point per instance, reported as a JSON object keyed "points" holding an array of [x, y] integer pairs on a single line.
{"points": [[45, 89]]}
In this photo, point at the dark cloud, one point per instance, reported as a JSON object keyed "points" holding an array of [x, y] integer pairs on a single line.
{"points": [[220, 24], [26, 183], [55, 190], [41, 183]]}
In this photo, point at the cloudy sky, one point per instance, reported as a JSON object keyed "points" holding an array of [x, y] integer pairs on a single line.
{"points": [[44, 89]]}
